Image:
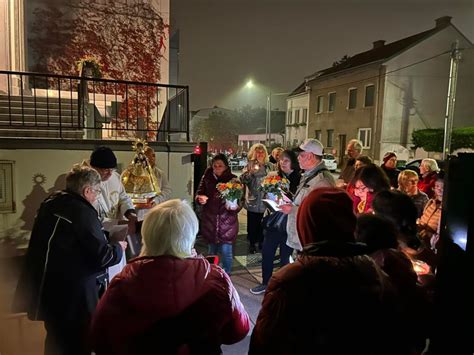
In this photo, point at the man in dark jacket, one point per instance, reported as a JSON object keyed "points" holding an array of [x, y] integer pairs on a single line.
{"points": [[65, 266]]}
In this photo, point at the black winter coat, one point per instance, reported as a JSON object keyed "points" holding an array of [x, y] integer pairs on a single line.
{"points": [[66, 259], [218, 224]]}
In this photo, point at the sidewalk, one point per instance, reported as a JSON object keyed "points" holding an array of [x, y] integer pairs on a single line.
{"points": [[246, 273]]}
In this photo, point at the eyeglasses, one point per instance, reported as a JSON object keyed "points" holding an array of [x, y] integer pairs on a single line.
{"points": [[360, 188], [97, 190], [413, 181]]}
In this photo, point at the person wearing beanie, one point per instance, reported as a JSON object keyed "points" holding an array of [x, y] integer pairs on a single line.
{"points": [[315, 305], [389, 166], [113, 204]]}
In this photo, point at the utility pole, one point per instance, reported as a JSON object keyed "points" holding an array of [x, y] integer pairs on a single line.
{"points": [[451, 99]]}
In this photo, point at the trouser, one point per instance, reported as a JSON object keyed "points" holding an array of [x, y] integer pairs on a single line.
{"points": [[254, 227], [226, 252], [273, 239], [66, 337]]}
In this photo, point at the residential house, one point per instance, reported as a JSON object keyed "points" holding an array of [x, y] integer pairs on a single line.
{"points": [[297, 104], [381, 95]]}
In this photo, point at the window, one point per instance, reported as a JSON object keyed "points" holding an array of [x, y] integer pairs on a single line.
{"points": [[330, 137], [369, 95], [364, 136], [289, 118], [332, 101], [305, 115], [317, 134], [319, 105], [297, 116], [352, 104]]}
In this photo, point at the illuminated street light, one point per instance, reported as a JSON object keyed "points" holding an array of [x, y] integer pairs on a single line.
{"points": [[249, 84]]}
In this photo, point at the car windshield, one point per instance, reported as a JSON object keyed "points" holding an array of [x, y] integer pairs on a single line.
{"points": [[328, 156]]}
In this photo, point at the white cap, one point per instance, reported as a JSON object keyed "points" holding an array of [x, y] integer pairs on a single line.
{"points": [[312, 145]]}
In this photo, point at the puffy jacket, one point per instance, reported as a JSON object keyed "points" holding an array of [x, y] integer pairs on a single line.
{"points": [[172, 305], [218, 224], [67, 254]]}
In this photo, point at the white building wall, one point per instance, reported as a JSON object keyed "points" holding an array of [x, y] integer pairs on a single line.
{"points": [[419, 91], [55, 163], [299, 133]]}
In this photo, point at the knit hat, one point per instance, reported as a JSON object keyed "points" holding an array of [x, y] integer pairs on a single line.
{"points": [[103, 157], [388, 156], [326, 214]]}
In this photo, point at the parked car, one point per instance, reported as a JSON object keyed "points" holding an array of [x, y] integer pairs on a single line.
{"points": [[415, 165], [330, 162], [237, 163]]}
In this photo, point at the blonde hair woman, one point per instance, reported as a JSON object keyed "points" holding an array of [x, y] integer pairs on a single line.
{"points": [[167, 296], [258, 167], [407, 183]]}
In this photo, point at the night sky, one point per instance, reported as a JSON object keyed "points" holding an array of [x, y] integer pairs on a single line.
{"points": [[223, 43]]}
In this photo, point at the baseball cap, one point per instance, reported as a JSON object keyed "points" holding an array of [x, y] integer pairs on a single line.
{"points": [[312, 145]]}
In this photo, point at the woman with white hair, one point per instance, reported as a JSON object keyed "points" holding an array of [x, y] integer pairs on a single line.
{"points": [[428, 173], [168, 299]]}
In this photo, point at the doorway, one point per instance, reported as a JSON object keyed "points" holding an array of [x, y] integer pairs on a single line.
{"points": [[342, 148]]}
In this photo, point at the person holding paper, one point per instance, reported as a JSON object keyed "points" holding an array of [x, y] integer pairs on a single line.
{"points": [[65, 265], [315, 175], [113, 204], [275, 235]]}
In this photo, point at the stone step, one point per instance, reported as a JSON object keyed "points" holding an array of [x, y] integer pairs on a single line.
{"points": [[40, 104], [15, 98], [13, 132], [40, 111], [30, 119]]}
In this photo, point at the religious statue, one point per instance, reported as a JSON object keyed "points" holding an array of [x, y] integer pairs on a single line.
{"points": [[139, 179]]}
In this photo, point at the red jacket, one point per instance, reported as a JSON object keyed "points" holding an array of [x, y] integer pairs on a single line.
{"points": [[427, 183], [177, 306], [217, 223]]}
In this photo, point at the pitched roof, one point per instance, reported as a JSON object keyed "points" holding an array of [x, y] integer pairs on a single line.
{"points": [[379, 53], [300, 89]]}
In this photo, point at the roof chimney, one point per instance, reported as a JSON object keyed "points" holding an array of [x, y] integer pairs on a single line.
{"points": [[443, 21], [379, 43]]}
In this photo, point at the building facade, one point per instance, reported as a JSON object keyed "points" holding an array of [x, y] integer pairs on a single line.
{"points": [[380, 96], [296, 125]]}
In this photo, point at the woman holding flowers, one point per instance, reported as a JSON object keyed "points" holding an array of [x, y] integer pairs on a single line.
{"points": [[258, 167], [219, 224], [275, 236]]}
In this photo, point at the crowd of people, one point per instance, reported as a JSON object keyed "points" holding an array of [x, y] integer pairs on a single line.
{"points": [[347, 247]]}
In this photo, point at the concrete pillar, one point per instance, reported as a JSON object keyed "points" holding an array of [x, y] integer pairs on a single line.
{"points": [[13, 34]]}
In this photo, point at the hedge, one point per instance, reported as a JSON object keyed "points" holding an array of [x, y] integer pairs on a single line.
{"points": [[431, 139]]}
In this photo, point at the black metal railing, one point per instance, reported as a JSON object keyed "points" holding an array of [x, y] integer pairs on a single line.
{"points": [[64, 106]]}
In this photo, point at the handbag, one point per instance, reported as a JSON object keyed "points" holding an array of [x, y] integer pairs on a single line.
{"points": [[275, 221]]}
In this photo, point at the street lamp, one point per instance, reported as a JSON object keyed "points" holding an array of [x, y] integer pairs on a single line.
{"points": [[268, 123]]}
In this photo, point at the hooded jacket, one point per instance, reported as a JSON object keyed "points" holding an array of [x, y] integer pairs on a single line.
{"points": [[217, 223], [172, 305], [333, 285]]}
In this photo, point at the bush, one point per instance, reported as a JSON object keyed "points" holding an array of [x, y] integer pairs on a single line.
{"points": [[431, 139]]}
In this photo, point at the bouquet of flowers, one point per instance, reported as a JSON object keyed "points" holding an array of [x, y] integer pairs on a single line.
{"points": [[274, 185], [231, 192]]}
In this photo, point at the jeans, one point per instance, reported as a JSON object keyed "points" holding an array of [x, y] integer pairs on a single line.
{"points": [[254, 227], [273, 239], [225, 250]]}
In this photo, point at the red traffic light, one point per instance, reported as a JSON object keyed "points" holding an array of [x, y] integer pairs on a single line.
{"points": [[197, 150]]}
